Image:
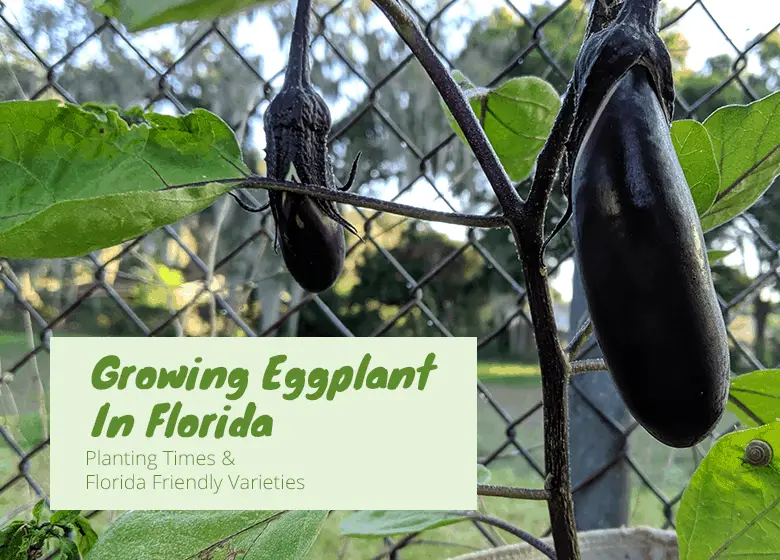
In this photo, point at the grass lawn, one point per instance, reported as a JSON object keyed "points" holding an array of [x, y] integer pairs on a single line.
{"points": [[527, 375], [503, 369], [7, 337]]}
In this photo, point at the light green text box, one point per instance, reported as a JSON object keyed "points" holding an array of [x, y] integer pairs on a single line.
{"points": [[351, 448]]}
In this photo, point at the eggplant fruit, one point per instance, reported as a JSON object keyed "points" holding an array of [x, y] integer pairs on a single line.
{"points": [[297, 124], [643, 263], [312, 243]]}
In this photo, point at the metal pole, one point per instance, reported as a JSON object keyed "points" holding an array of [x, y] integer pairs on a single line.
{"points": [[594, 440]]}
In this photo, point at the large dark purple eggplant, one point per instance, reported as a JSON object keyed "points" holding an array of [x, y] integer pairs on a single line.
{"points": [[310, 231], [643, 263]]}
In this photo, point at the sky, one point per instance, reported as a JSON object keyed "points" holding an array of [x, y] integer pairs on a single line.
{"points": [[741, 20]]}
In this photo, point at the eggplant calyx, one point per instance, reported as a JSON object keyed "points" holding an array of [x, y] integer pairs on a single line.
{"points": [[630, 40]]}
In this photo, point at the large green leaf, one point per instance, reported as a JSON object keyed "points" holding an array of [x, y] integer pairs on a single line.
{"points": [[746, 140], [142, 14], [375, 523], [759, 392], [75, 179], [730, 509], [178, 535], [517, 117], [694, 150]]}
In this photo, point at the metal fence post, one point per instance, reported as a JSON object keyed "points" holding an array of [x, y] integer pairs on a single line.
{"points": [[596, 414]]}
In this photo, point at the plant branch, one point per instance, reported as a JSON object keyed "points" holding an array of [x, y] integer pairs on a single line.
{"points": [[526, 221], [553, 361], [402, 543], [579, 339], [407, 28], [512, 492], [535, 542], [555, 379], [581, 366], [359, 201], [550, 157]]}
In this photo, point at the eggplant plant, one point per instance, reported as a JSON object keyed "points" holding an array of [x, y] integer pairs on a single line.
{"points": [[638, 227]]}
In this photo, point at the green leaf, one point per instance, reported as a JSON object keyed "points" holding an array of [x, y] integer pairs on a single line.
{"points": [[746, 140], [717, 255], [16, 540], [110, 8], [142, 14], [183, 534], [9, 530], [517, 117], [64, 516], [85, 536], [76, 180], [483, 474], [38, 509], [759, 392], [694, 150], [730, 508], [375, 523], [288, 538], [68, 550]]}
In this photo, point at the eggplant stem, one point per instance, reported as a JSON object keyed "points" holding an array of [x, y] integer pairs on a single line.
{"points": [[356, 200], [245, 206], [411, 33], [298, 71]]}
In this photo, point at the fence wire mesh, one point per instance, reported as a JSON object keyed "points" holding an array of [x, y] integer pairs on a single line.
{"points": [[216, 273]]}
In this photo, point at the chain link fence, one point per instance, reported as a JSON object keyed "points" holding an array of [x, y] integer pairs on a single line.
{"points": [[229, 282]]}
